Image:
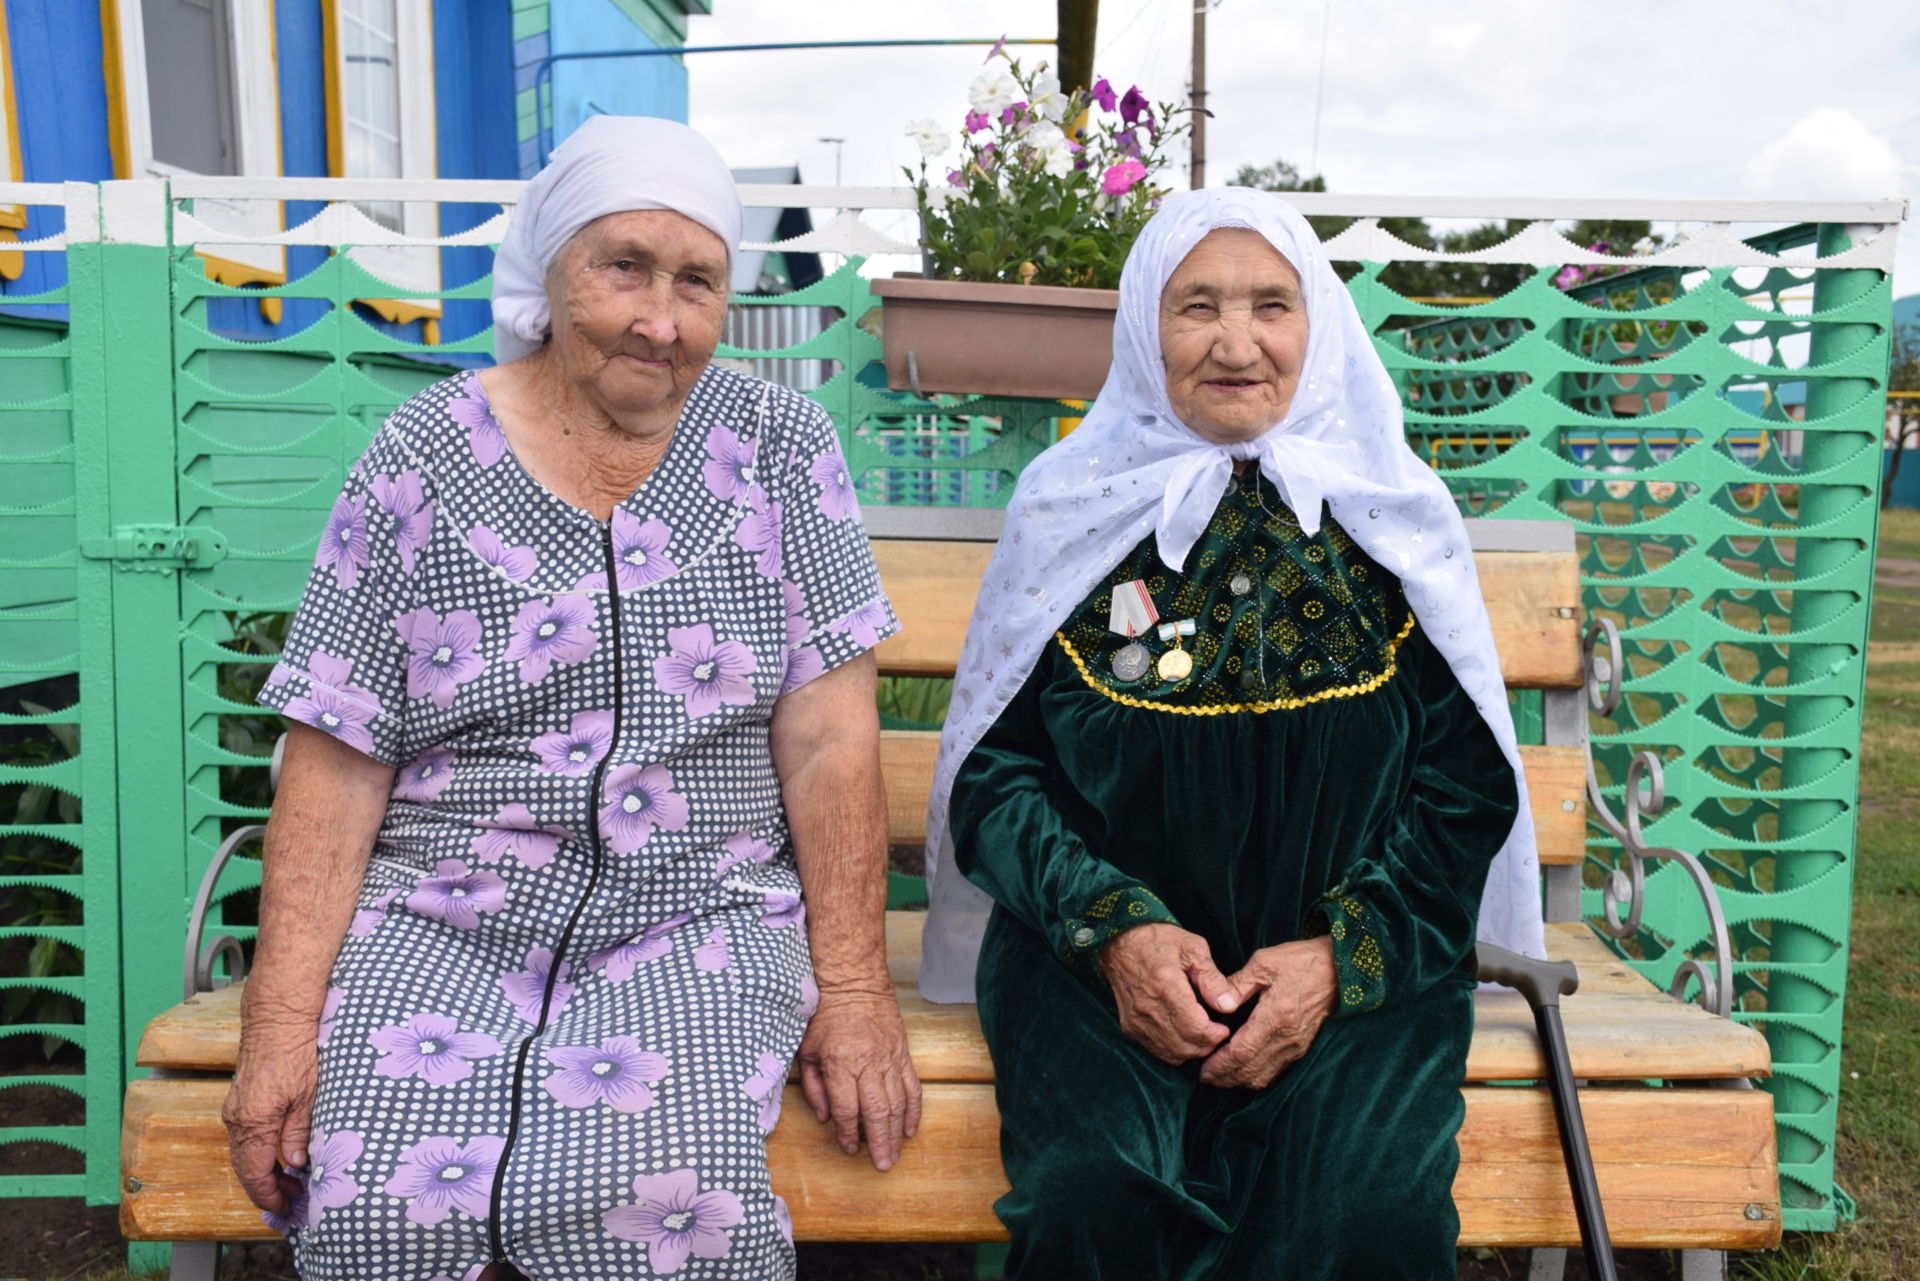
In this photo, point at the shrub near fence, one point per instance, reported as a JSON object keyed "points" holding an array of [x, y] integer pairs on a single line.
{"points": [[169, 447]]}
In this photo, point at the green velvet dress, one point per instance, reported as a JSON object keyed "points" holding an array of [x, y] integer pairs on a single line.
{"points": [[1319, 771]]}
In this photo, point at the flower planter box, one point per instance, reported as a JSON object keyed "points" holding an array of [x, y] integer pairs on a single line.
{"points": [[1041, 341]]}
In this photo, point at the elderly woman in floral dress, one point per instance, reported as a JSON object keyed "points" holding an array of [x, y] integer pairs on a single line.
{"points": [[582, 735]]}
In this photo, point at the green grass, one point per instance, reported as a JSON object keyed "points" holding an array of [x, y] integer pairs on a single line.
{"points": [[1900, 533]]}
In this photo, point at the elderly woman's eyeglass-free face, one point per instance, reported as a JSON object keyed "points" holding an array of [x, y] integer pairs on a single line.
{"points": [[639, 300], [1233, 335]]}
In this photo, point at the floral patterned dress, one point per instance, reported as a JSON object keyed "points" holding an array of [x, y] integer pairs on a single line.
{"points": [[558, 1030]]}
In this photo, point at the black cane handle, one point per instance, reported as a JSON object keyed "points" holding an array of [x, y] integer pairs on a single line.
{"points": [[1543, 983]]}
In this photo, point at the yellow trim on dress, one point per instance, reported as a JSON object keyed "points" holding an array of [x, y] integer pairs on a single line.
{"points": [[1274, 705]]}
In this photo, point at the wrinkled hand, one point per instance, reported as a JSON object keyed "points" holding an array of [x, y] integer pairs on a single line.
{"points": [[269, 1110], [1294, 987], [856, 1071], [1155, 971]]}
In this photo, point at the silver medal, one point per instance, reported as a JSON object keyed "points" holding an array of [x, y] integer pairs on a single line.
{"points": [[1240, 584], [1130, 662]]}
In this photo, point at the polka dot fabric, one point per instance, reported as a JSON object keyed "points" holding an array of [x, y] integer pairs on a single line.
{"points": [[564, 1011]]}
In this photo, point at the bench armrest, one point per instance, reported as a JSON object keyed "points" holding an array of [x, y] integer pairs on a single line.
{"points": [[1625, 888], [201, 952]]}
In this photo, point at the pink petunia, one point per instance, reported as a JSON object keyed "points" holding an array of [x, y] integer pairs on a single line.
{"points": [[1119, 179], [705, 673]]}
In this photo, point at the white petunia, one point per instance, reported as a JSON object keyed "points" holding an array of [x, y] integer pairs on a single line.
{"points": [[1052, 147], [992, 91], [1048, 102], [932, 138]]}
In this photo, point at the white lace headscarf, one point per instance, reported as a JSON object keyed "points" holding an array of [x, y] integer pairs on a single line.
{"points": [[1133, 469], [610, 164]]}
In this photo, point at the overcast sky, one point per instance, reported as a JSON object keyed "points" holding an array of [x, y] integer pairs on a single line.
{"points": [[1631, 98]]}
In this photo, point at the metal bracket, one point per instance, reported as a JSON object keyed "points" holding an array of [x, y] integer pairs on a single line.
{"points": [[158, 549]]}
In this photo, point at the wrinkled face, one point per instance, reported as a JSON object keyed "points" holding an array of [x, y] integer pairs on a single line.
{"points": [[1233, 335], [638, 302]]}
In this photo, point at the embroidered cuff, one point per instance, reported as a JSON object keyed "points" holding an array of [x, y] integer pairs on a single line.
{"points": [[1111, 914], [1358, 965]]}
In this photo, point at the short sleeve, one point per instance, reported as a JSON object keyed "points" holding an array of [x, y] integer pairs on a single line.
{"points": [[344, 667], [836, 608]]}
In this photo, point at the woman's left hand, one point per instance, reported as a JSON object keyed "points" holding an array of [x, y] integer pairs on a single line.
{"points": [[1292, 988], [855, 1070]]}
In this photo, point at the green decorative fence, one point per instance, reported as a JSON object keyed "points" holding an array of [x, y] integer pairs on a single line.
{"points": [[169, 447]]}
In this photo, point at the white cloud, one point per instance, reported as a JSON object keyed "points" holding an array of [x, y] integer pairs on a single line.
{"points": [[1828, 155]]}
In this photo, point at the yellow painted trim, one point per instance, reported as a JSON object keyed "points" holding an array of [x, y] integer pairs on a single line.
{"points": [[13, 263], [330, 60], [400, 311], [1223, 709], [113, 76], [11, 216], [272, 309]]}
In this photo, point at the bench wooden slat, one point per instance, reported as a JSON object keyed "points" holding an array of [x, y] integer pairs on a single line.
{"points": [[1676, 1168], [933, 586], [1556, 793]]}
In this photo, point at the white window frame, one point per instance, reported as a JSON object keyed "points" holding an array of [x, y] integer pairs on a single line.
{"points": [[408, 267], [256, 124]]}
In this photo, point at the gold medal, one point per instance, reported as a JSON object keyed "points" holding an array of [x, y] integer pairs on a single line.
{"points": [[1175, 665]]}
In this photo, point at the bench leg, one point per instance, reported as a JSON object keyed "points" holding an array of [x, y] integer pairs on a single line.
{"points": [[195, 1261], [1703, 1265], [990, 1261], [1547, 1264]]}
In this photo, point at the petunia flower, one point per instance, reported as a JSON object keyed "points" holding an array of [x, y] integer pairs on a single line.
{"points": [[639, 554], [343, 542], [445, 653], [334, 714], [457, 895], [549, 632], [978, 120], [527, 988], [431, 1047], [992, 91], [513, 832], [955, 178], [425, 777], [1134, 107], [764, 1088], [470, 410], [759, 531], [783, 909], [517, 563], [1052, 148], [440, 1174], [863, 624], [713, 954], [1128, 141], [931, 138], [674, 1219], [329, 1016], [618, 962], [1103, 94], [744, 847], [579, 748], [729, 469], [403, 498], [704, 672], [1047, 101], [368, 919], [837, 500], [637, 800], [1119, 179], [616, 1072]]}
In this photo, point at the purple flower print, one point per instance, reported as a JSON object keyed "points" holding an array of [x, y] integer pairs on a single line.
{"points": [[759, 531], [431, 1047], [729, 467], [803, 665], [783, 1218], [836, 501], [764, 1088], [425, 777], [403, 498], [744, 847], [796, 602], [329, 1014], [458, 896], [713, 955], [368, 919], [674, 1219], [545, 633], [513, 831], [484, 437], [445, 652], [579, 749], [343, 543], [517, 563], [653, 943], [334, 714], [863, 624], [783, 909], [636, 801], [617, 1073], [525, 988], [337, 674], [639, 554], [296, 1215], [329, 1186], [705, 673], [439, 1175], [809, 997]]}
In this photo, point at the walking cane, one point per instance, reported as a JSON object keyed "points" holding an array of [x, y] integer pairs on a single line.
{"points": [[1543, 983]]}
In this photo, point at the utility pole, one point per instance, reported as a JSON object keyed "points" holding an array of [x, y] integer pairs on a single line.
{"points": [[1198, 138], [837, 144]]}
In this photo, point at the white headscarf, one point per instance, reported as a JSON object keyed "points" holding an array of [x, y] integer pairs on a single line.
{"points": [[610, 164], [1133, 469]]}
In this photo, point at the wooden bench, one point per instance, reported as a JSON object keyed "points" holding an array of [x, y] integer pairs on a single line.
{"points": [[1680, 1168]]}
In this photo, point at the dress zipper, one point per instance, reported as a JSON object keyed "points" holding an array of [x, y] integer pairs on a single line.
{"points": [[496, 1242]]}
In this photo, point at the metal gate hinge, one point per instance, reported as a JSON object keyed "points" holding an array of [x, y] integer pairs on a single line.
{"points": [[158, 549]]}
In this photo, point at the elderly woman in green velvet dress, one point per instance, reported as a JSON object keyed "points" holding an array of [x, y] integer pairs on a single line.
{"points": [[1232, 786]]}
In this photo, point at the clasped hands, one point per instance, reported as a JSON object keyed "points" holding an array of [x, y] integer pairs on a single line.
{"points": [[1167, 988]]}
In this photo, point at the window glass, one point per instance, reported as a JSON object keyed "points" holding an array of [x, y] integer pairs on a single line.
{"points": [[370, 97], [190, 85]]}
